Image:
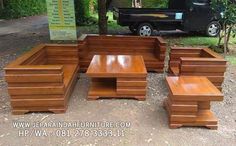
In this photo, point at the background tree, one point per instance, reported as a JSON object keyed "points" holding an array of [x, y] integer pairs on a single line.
{"points": [[2, 4], [21, 8], [102, 18], [103, 6], [82, 8], [228, 20]]}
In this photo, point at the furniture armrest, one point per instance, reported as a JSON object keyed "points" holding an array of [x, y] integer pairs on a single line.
{"points": [[202, 66], [83, 49], [202, 61], [35, 67], [161, 41], [212, 53], [160, 48], [20, 60], [186, 48], [34, 74]]}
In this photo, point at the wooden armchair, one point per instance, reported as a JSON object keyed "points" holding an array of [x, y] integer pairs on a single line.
{"points": [[186, 61]]}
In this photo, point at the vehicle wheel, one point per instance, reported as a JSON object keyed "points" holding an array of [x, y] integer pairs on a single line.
{"points": [[213, 29], [145, 29], [133, 29]]}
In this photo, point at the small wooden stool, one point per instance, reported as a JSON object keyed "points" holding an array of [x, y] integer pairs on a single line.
{"points": [[188, 103]]}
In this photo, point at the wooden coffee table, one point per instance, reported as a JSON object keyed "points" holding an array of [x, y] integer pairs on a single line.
{"points": [[117, 76], [188, 103]]}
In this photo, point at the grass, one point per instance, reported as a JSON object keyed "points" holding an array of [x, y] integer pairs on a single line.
{"points": [[197, 40], [231, 59], [192, 41]]}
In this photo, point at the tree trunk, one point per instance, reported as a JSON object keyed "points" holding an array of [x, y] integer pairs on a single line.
{"points": [[225, 38], [221, 36], [137, 3], [2, 4], [228, 37], [102, 17]]}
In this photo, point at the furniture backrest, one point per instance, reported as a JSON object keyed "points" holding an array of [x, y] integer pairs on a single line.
{"points": [[198, 62], [62, 54], [208, 53], [152, 49], [177, 52], [36, 56], [122, 45], [212, 68]]}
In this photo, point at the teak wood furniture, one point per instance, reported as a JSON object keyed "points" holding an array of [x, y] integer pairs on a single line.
{"points": [[188, 61], [152, 49], [43, 78], [188, 102], [117, 76]]}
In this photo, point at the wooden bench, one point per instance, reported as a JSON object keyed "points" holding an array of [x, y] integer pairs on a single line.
{"points": [[188, 61], [42, 79], [151, 48]]}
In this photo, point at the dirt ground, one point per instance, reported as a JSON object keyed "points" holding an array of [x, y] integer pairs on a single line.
{"points": [[137, 123]]}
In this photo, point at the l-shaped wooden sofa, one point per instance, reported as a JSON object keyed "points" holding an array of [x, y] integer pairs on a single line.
{"points": [[43, 78]]}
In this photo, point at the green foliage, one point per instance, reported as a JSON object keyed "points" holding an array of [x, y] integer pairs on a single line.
{"points": [[198, 40], [155, 3], [231, 59], [228, 20], [82, 10], [217, 49], [228, 7], [95, 6], [145, 3], [22, 8]]}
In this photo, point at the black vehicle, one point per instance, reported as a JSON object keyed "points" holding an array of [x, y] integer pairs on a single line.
{"points": [[185, 15]]}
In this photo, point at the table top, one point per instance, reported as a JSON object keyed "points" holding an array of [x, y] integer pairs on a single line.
{"points": [[117, 66], [192, 86]]}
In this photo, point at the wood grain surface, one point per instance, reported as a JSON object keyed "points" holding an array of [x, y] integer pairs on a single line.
{"points": [[43, 78], [188, 61], [188, 102], [117, 76]]}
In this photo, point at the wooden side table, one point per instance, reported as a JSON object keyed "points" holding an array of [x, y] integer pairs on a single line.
{"points": [[188, 103], [117, 76]]}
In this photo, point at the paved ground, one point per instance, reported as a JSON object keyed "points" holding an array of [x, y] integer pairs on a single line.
{"points": [[22, 24], [138, 123]]}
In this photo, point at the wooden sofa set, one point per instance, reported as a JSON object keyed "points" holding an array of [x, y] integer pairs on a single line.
{"points": [[43, 78]]}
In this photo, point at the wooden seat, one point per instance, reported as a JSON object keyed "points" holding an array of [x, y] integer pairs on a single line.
{"points": [[69, 72], [188, 61], [151, 48], [42, 79]]}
